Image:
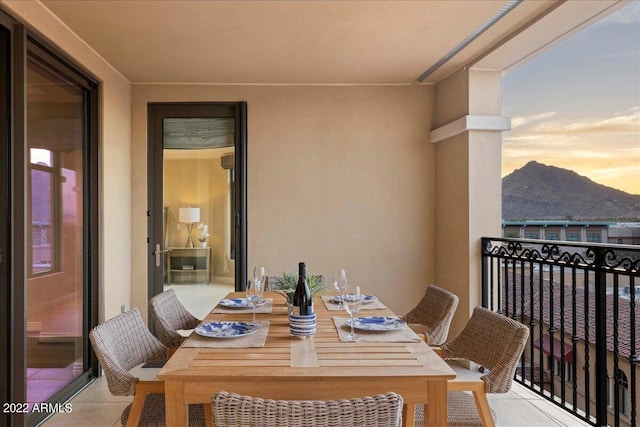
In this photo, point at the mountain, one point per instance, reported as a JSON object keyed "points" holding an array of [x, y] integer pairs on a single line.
{"points": [[538, 191]]}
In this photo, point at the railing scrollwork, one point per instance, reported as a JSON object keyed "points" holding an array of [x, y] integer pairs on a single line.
{"points": [[580, 301]]}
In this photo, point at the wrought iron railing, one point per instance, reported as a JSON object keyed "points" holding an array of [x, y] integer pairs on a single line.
{"points": [[581, 302]]}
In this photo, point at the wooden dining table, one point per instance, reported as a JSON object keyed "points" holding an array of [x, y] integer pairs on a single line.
{"points": [[320, 367]]}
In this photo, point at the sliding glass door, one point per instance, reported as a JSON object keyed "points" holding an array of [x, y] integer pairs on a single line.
{"points": [[55, 237], [48, 224]]}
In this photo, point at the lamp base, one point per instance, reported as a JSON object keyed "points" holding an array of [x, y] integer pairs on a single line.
{"points": [[190, 239]]}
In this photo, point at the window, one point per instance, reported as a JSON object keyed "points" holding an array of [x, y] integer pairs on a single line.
{"points": [[552, 236], [530, 235], [561, 369], [622, 386], [572, 236], [43, 219], [593, 237]]}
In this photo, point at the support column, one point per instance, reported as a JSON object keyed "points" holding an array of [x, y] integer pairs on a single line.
{"points": [[468, 200]]}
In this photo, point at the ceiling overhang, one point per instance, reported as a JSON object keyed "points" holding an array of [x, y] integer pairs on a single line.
{"points": [[314, 42]]}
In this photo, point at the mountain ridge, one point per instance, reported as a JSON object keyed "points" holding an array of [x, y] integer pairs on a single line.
{"points": [[538, 191]]}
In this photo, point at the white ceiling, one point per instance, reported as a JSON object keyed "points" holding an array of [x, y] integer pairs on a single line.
{"points": [[289, 42]]}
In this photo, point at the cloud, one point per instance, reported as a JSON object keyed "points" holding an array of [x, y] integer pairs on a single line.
{"points": [[517, 122], [627, 122]]}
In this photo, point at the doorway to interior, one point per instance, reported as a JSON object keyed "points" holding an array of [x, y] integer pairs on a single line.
{"points": [[197, 195]]}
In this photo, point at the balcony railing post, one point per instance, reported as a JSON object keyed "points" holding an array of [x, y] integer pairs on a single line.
{"points": [[601, 336], [485, 273]]}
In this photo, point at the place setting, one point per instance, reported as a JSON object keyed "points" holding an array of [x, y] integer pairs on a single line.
{"points": [[370, 328], [236, 334], [253, 301], [229, 334], [334, 302], [242, 305]]}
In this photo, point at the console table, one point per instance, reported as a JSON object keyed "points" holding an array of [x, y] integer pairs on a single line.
{"points": [[194, 261]]}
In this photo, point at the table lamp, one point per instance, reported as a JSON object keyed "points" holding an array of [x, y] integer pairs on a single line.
{"points": [[189, 216]]}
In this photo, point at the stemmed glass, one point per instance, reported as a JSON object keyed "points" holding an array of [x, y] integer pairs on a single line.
{"points": [[258, 274], [254, 294], [340, 280], [351, 301], [255, 289]]}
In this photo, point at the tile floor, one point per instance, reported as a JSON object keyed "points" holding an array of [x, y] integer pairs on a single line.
{"points": [[96, 407]]}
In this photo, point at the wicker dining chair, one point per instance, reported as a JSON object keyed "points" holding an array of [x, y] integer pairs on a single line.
{"points": [[432, 316], [233, 410], [169, 316], [493, 341], [122, 344]]}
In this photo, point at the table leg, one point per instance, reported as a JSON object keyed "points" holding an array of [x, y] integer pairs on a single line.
{"points": [[409, 414], [435, 413], [177, 412]]}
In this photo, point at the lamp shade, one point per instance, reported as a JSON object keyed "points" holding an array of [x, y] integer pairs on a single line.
{"points": [[189, 215]]}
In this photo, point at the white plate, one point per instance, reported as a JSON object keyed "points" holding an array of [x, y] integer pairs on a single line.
{"points": [[366, 299], [239, 302], [226, 329], [377, 323]]}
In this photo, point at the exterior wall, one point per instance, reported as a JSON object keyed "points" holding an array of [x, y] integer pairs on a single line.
{"points": [[338, 176], [611, 233], [581, 380], [115, 167]]}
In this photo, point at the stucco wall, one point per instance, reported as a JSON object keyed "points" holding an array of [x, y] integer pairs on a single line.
{"points": [[338, 176], [115, 137], [469, 191]]}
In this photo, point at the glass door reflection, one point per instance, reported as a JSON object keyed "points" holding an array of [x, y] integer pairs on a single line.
{"points": [[55, 238]]}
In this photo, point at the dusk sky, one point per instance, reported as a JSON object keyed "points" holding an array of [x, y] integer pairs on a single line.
{"points": [[577, 105]]}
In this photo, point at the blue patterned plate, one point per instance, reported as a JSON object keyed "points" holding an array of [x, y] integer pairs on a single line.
{"points": [[377, 323], [226, 329], [366, 299], [239, 302]]}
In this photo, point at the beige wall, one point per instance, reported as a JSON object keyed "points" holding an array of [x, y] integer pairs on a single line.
{"points": [[115, 137], [338, 176]]}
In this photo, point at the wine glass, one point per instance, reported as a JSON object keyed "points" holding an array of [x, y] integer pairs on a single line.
{"points": [[254, 294], [259, 274], [340, 280], [351, 301]]}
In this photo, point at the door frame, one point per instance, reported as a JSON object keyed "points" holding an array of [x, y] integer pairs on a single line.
{"points": [[156, 111]]}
